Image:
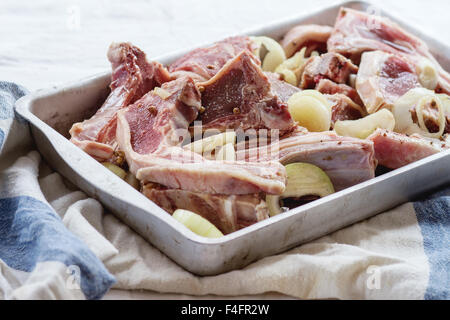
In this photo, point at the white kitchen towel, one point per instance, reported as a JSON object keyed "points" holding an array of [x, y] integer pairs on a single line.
{"points": [[400, 254]]}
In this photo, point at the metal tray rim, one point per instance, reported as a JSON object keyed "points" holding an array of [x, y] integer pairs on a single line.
{"points": [[23, 107]]}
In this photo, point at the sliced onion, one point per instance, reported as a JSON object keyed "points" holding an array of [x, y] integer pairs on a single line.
{"points": [[296, 61], [210, 143], [362, 128], [118, 171], [197, 224], [303, 179], [428, 75], [132, 181], [317, 95], [419, 110], [417, 98], [275, 54], [287, 75], [293, 67], [311, 110], [227, 152], [445, 99]]}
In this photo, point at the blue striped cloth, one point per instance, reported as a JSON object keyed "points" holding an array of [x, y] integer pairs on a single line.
{"points": [[33, 238], [433, 215]]}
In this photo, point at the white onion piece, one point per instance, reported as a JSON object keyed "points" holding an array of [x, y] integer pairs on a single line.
{"points": [[428, 75], [118, 171], [311, 110], [210, 143], [317, 95], [197, 223], [227, 152], [275, 54], [362, 128], [445, 99], [295, 66], [417, 98], [132, 181], [287, 75], [302, 179], [296, 61]]}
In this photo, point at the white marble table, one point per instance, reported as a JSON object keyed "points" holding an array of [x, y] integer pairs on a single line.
{"points": [[45, 43]]}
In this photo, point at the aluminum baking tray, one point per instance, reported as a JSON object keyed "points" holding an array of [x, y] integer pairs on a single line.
{"points": [[52, 112]]}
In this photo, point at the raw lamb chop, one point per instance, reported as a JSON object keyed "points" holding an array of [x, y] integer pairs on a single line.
{"points": [[203, 63], [347, 161], [356, 32], [383, 78], [227, 212], [332, 66], [281, 88], [240, 96], [150, 131], [394, 150], [312, 36], [132, 77]]}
